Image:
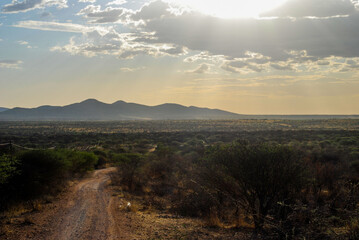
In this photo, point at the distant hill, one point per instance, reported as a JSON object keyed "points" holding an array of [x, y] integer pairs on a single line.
{"points": [[93, 110], [3, 109]]}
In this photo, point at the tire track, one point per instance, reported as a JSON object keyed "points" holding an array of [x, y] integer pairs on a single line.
{"points": [[87, 217]]}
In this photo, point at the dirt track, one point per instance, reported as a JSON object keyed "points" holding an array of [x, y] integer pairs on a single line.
{"points": [[88, 216]]}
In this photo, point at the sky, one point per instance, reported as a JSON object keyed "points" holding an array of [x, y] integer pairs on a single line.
{"points": [[244, 56]]}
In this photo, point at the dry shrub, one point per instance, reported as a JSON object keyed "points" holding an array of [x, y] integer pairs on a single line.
{"points": [[212, 220], [353, 229]]}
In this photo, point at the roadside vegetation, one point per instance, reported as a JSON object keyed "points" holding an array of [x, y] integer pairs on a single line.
{"points": [[26, 176]]}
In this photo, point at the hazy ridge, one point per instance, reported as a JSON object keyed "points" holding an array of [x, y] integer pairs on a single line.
{"points": [[3, 109], [94, 110]]}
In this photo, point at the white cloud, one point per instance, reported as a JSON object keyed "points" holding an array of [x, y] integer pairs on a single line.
{"points": [[128, 69], [151, 11], [22, 42], [108, 15], [14, 64], [27, 5], [125, 45], [117, 2], [87, 1], [59, 27]]}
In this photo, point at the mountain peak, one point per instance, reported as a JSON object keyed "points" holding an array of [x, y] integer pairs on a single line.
{"points": [[91, 100], [119, 102]]}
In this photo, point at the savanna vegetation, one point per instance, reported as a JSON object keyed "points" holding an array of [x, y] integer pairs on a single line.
{"points": [[282, 179], [29, 175]]}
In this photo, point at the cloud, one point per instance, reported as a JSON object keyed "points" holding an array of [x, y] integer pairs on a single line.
{"points": [[233, 45], [241, 66], [299, 61], [96, 41], [323, 63], [281, 66], [173, 50], [87, 1], [151, 11], [125, 46], [27, 5], [203, 68], [313, 8], [205, 56], [14, 64], [117, 2], [22, 42], [108, 15], [45, 14], [233, 38], [128, 69], [59, 27]]}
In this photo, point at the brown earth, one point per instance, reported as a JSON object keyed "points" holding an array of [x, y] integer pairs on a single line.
{"points": [[92, 209]]}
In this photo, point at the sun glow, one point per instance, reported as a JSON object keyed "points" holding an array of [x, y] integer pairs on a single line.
{"points": [[231, 8]]}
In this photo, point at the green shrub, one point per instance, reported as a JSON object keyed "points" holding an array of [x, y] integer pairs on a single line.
{"points": [[41, 171], [81, 162], [8, 168]]}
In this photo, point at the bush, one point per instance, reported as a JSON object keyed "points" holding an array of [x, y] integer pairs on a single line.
{"points": [[80, 162], [128, 164], [256, 177], [34, 173], [41, 170], [8, 168]]}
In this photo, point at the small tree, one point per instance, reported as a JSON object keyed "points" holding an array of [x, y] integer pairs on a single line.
{"points": [[128, 164], [255, 176]]}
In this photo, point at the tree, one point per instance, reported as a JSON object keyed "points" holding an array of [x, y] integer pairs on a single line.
{"points": [[128, 164], [256, 177]]}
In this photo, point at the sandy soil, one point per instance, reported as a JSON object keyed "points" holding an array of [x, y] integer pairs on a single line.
{"points": [[92, 209]]}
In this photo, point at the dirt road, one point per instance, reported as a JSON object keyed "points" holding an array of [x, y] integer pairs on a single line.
{"points": [[88, 216]]}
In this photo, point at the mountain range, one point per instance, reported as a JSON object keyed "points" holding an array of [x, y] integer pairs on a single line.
{"points": [[94, 110], [3, 109]]}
